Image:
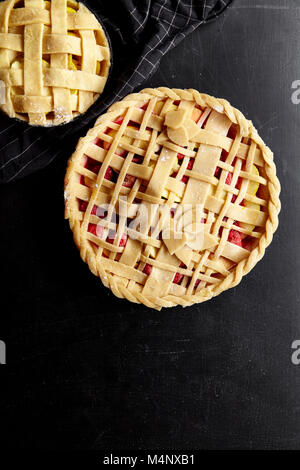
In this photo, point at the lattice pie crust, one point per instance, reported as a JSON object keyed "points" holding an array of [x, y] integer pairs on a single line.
{"points": [[54, 59], [156, 157]]}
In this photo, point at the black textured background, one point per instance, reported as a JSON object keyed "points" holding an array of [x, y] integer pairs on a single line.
{"points": [[87, 370]]}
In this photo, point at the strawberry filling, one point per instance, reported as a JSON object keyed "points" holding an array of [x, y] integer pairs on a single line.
{"points": [[112, 235], [190, 164], [129, 181], [109, 174], [98, 142], [95, 166], [92, 165], [184, 179], [137, 159], [119, 120], [240, 239], [228, 177], [94, 210], [123, 240], [147, 269], [235, 237], [232, 131], [96, 230], [217, 172], [238, 225], [83, 205], [177, 278], [120, 152], [248, 243]]}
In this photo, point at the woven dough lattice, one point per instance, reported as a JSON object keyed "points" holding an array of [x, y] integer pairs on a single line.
{"points": [[54, 59], [172, 197]]}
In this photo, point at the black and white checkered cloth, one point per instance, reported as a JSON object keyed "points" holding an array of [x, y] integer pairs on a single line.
{"points": [[141, 32]]}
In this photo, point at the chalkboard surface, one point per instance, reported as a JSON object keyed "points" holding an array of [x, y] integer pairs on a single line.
{"points": [[86, 370]]}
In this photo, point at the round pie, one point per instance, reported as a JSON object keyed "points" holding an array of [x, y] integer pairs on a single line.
{"points": [[54, 60], [172, 197]]}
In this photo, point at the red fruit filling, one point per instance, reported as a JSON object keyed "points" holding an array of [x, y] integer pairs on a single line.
{"points": [[94, 210], [133, 124], [177, 278], [243, 235], [95, 166], [83, 205], [123, 240], [98, 142], [96, 230], [137, 159], [232, 131], [147, 269], [248, 243], [229, 178], [129, 181], [98, 211], [112, 235], [235, 237], [190, 164], [184, 179], [119, 151], [92, 165], [119, 120], [109, 173], [217, 172]]}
